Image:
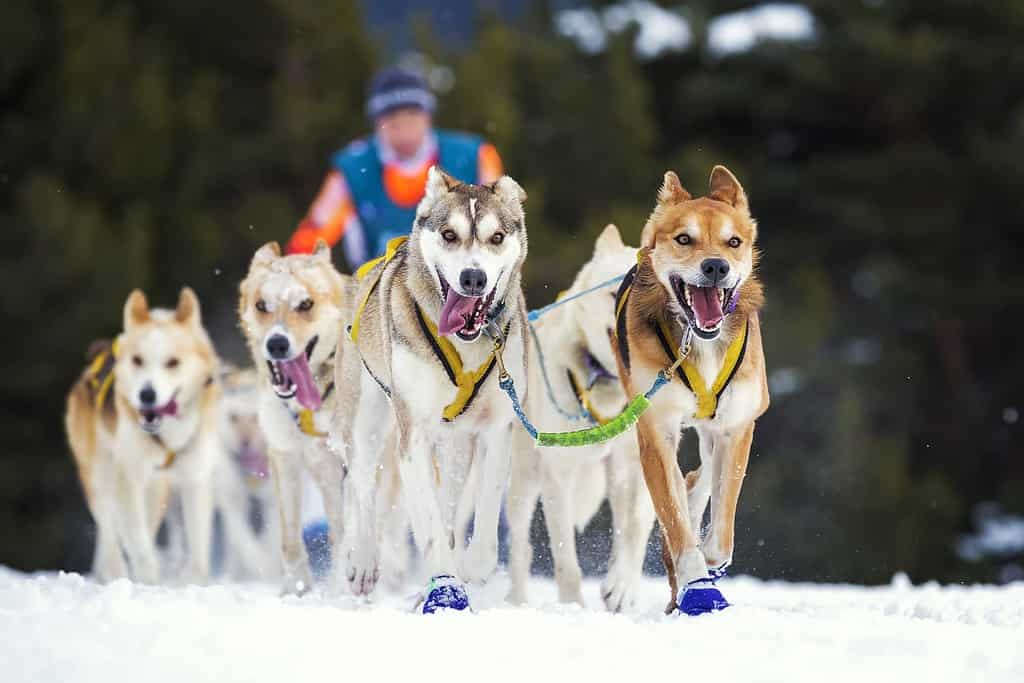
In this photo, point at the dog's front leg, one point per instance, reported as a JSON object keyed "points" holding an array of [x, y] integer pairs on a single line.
{"points": [[632, 519], [197, 505], [140, 545], [328, 475], [361, 554], [392, 519], [557, 482], [732, 451], [493, 450], [698, 483], [286, 472], [523, 491], [420, 483], [656, 439]]}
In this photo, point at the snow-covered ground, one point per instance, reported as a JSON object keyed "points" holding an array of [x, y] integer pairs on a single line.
{"points": [[64, 628]]}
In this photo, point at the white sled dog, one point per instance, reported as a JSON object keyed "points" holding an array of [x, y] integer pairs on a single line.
{"points": [[141, 421], [292, 311], [430, 312], [243, 481], [573, 385]]}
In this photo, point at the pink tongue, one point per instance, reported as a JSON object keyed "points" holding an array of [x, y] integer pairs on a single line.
{"points": [[169, 408], [297, 370], [253, 462], [455, 311], [707, 306]]}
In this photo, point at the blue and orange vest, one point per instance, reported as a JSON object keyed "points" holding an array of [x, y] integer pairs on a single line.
{"points": [[382, 214]]}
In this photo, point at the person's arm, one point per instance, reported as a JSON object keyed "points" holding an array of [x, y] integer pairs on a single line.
{"points": [[331, 217], [489, 166]]}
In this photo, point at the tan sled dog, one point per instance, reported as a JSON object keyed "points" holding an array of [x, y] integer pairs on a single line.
{"points": [[431, 311], [292, 311], [572, 377], [142, 419], [693, 299], [243, 479]]}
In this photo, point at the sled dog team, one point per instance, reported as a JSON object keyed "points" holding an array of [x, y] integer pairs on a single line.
{"points": [[384, 387]]}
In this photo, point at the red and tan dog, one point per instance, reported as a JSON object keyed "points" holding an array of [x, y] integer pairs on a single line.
{"points": [[694, 298]]}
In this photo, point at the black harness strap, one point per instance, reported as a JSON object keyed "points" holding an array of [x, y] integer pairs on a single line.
{"points": [[449, 370], [620, 315]]}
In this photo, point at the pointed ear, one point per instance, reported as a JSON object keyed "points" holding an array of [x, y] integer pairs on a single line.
{"points": [[321, 250], [265, 254], [608, 239], [725, 188], [136, 309], [439, 184], [672, 191], [187, 311], [509, 190]]}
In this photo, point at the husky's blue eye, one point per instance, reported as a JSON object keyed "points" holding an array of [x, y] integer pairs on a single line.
{"points": [[683, 239], [449, 235], [497, 238], [735, 242]]}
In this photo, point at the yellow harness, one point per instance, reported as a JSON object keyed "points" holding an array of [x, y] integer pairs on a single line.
{"points": [[467, 384], [707, 398], [583, 397], [365, 269], [100, 374]]}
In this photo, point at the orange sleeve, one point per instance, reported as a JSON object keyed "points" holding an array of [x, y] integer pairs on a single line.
{"points": [[489, 166], [327, 218]]}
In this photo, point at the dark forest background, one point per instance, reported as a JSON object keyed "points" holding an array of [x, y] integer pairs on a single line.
{"points": [[154, 144]]}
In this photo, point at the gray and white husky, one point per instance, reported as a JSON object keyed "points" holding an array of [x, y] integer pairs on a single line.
{"points": [[426, 334]]}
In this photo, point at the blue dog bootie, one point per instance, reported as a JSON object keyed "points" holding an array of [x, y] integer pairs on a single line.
{"points": [[700, 597], [445, 592]]}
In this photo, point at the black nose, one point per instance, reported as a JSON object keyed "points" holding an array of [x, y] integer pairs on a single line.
{"points": [[473, 281], [147, 396], [715, 269], [278, 346]]}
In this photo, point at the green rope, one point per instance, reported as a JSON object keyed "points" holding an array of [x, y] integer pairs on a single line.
{"points": [[600, 433]]}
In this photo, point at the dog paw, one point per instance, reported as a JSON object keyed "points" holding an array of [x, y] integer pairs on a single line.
{"points": [[618, 590], [701, 597], [362, 572], [479, 562], [516, 596], [445, 592]]}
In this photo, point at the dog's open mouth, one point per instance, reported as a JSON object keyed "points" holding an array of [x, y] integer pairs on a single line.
{"points": [[150, 419], [253, 462], [463, 315], [292, 378], [704, 307]]}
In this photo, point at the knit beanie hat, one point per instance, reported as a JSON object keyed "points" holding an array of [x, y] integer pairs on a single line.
{"points": [[395, 88]]}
